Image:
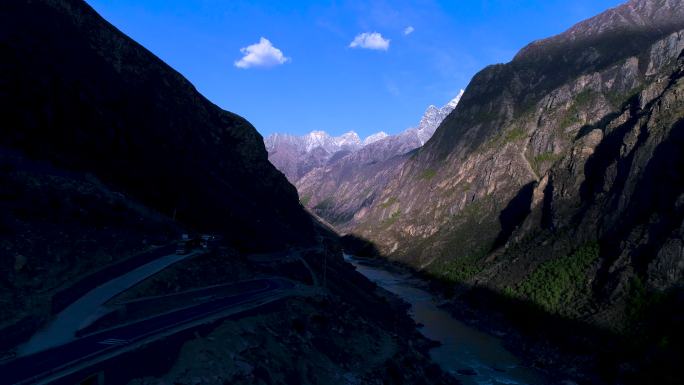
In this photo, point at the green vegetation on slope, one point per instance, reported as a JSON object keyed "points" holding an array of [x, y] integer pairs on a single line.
{"points": [[580, 102], [474, 211], [620, 99], [570, 118], [511, 136], [540, 160], [427, 174], [458, 270], [558, 281], [514, 135], [325, 204], [389, 202], [392, 219], [641, 304]]}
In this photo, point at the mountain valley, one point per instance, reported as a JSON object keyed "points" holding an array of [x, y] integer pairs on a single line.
{"points": [[555, 182], [530, 230]]}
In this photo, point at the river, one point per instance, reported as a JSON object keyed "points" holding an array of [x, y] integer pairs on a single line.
{"points": [[473, 357]]}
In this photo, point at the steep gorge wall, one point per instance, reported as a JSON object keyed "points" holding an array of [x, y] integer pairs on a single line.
{"points": [[570, 150]]}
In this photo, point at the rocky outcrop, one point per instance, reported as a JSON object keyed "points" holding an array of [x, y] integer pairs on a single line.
{"points": [[374, 138]]}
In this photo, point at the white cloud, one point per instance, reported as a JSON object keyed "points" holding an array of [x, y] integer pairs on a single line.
{"points": [[370, 40], [408, 30], [261, 54]]}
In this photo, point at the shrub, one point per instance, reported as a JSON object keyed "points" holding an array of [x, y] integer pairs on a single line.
{"points": [[427, 174], [539, 160], [392, 219], [558, 281], [325, 205], [514, 135], [389, 202], [458, 270]]}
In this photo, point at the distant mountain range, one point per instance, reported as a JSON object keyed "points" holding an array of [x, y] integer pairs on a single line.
{"points": [[295, 156]]}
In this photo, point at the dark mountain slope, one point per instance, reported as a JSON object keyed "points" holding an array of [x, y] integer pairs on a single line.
{"points": [[56, 226], [79, 93], [101, 143]]}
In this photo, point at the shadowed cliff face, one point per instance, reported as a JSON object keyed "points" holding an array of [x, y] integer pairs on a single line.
{"points": [[101, 144], [80, 94]]}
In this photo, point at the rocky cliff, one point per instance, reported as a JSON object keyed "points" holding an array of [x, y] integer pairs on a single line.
{"points": [[558, 178], [568, 138]]}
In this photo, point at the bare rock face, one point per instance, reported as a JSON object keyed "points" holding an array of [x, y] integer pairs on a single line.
{"points": [[574, 143]]}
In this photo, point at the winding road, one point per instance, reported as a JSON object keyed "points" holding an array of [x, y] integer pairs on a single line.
{"points": [[49, 365], [90, 306]]}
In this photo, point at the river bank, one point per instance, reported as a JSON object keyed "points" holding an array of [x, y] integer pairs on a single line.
{"points": [[566, 351], [469, 354]]}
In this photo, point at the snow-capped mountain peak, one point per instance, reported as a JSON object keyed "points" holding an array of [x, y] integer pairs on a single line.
{"points": [[350, 138], [317, 139], [453, 102], [297, 155], [375, 137], [433, 117]]}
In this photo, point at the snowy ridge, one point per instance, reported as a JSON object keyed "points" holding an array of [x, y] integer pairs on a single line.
{"points": [[432, 118], [375, 137], [296, 155]]}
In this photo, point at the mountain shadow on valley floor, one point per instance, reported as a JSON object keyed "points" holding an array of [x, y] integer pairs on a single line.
{"points": [[359, 246]]}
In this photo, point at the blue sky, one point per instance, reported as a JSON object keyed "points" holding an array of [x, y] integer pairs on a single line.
{"points": [[308, 75]]}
